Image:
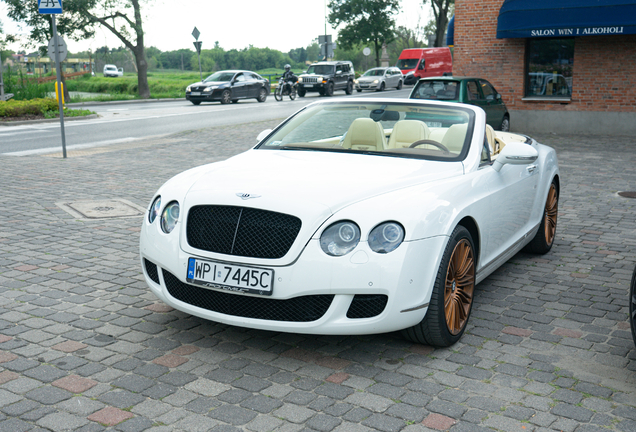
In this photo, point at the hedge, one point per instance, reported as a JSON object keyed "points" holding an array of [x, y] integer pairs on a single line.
{"points": [[19, 108]]}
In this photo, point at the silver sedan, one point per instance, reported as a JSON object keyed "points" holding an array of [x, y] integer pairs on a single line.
{"points": [[379, 79]]}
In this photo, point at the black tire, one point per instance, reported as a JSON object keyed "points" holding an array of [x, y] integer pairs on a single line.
{"points": [[399, 86], [455, 286], [381, 87], [349, 88], [632, 306], [329, 89], [195, 102], [301, 92], [235, 100], [278, 93], [292, 93], [359, 90], [543, 240], [262, 95], [505, 124], [226, 97]]}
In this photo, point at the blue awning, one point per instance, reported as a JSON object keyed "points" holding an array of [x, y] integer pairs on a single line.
{"points": [[450, 32], [565, 18]]}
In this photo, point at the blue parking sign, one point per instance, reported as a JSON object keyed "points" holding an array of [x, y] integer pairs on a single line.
{"points": [[50, 6]]}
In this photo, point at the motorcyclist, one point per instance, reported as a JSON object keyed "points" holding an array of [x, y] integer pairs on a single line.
{"points": [[289, 78]]}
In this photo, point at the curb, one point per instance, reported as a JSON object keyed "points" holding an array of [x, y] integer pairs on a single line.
{"points": [[25, 122], [131, 101]]}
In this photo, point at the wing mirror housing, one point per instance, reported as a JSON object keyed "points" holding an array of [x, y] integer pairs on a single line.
{"points": [[261, 136], [515, 153]]}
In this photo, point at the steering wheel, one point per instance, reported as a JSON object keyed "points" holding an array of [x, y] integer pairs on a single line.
{"points": [[430, 142]]}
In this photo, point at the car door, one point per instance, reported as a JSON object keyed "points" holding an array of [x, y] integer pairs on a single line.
{"points": [[391, 78], [504, 214], [339, 78], [239, 86], [495, 108], [252, 84]]}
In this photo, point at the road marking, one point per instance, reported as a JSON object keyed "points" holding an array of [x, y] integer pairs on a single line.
{"points": [[75, 147], [22, 132]]}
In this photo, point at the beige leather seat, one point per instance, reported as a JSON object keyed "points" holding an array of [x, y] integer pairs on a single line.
{"points": [[454, 138], [406, 132], [490, 137], [365, 134], [437, 134]]}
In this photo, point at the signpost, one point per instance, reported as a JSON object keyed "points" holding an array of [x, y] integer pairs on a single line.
{"points": [[197, 45], [57, 50]]}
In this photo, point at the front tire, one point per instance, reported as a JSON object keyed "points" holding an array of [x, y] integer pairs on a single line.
{"points": [[329, 89], [359, 90], [505, 124], [349, 88], [301, 92], [292, 93], [262, 95], [399, 86], [381, 87], [226, 97], [452, 298], [544, 238], [278, 93], [195, 102]]}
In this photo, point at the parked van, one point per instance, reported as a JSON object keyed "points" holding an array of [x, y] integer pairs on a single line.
{"points": [[426, 62]]}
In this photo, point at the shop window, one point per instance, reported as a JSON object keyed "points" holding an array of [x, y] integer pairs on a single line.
{"points": [[549, 67]]}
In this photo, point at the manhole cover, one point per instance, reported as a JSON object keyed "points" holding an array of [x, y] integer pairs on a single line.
{"points": [[630, 194], [103, 209]]}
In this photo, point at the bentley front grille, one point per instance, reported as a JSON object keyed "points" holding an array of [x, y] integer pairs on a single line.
{"points": [[297, 309], [241, 231], [151, 271]]}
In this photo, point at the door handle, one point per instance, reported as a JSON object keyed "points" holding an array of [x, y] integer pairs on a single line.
{"points": [[531, 168]]}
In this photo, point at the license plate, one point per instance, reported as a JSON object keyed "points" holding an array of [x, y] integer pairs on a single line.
{"points": [[195, 93], [309, 85], [230, 277], [433, 124]]}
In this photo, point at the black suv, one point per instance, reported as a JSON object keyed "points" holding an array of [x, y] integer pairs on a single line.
{"points": [[327, 76]]}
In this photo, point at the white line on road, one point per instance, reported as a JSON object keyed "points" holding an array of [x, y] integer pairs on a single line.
{"points": [[74, 147]]}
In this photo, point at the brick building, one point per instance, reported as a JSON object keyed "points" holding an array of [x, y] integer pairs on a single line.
{"points": [[564, 66]]}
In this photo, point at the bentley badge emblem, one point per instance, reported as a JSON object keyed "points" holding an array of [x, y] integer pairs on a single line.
{"points": [[247, 195]]}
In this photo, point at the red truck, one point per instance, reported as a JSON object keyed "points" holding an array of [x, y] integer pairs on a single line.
{"points": [[416, 63]]}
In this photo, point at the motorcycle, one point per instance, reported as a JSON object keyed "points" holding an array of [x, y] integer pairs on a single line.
{"points": [[286, 88]]}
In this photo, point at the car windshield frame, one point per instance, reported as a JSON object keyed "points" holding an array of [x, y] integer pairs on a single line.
{"points": [[220, 74], [321, 69], [275, 139], [407, 63], [375, 72]]}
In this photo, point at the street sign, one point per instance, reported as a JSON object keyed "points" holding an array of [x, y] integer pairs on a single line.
{"points": [[197, 45], [50, 6], [61, 48], [366, 51], [196, 33]]}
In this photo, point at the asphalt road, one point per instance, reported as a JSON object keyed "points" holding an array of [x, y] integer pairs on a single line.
{"points": [[125, 122]]}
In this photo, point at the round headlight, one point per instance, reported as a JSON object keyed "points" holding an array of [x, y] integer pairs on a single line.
{"points": [[169, 217], [340, 238], [300, 79], [386, 237], [188, 88], [154, 209]]}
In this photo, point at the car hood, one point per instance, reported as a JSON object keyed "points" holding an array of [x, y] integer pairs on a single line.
{"points": [[310, 185], [370, 79], [209, 83]]}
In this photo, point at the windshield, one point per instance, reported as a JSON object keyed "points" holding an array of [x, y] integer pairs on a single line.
{"points": [[374, 72], [220, 76], [439, 90], [405, 64], [320, 69], [413, 130], [111, 68]]}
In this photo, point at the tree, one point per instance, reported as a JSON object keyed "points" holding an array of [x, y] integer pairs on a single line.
{"points": [[441, 9], [365, 21], [128, 29]]}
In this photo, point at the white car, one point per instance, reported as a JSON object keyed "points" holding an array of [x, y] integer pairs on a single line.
{"points": [[113, 71], [379, 79], [353, 217]]}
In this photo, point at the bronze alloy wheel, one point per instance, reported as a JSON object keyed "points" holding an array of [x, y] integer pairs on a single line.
{"points": [[550, 214], [460, 285]]}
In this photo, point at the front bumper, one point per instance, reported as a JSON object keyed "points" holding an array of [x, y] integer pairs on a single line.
{"points": [[214, 95], [366, 86], [312, 87], [403, 279]]}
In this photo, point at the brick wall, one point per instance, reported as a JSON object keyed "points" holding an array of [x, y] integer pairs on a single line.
{"points": [[604, 70]]}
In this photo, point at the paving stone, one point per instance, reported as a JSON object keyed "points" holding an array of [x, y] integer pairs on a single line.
{"points": [[232, 414], [110, 416], [48, 395]]}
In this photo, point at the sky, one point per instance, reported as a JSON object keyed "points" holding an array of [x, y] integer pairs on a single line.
{"points": [[168, 24]]}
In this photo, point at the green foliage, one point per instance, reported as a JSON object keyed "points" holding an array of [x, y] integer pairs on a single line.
{"points": [[68, 113], [364, 21], [24, 87], [17, 108], [442, 12]]}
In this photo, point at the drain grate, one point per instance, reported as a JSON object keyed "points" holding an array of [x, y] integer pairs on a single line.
{"points": [[628, 194], [102, 209]]}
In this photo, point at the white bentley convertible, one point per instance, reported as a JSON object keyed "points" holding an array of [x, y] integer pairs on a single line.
{"points": [[353, 217]]}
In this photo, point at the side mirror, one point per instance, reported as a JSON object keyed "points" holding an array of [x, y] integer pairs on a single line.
{"points": [[498, 97], [261, 136], [515, 153], [339, 72]]}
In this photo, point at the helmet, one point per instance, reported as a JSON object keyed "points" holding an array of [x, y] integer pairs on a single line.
{"points": [[287, 67]]}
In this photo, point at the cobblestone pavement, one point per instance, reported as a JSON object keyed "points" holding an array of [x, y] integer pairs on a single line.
{"points": [[85, 346]]}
